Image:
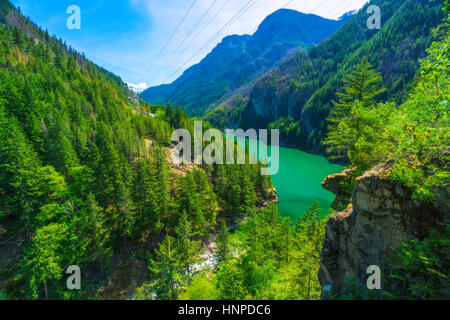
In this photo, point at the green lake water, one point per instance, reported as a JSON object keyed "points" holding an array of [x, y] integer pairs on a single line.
{"points": [[298, 181]]}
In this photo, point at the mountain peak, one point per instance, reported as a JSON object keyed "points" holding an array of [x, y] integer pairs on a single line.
{"points": [[238, 60]]}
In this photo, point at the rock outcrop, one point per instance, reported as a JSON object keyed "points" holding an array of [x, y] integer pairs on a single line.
{"points": [[126, 277], [381, 216], [341, 185]]}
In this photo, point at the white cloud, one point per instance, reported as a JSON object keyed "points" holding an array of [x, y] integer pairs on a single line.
{"points": [[138, 87]]}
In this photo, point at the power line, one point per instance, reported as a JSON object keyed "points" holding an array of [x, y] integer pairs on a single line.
{"points": [[209, 22], [234, 19], [337, 13], [311, 11], [243, 10], [187, 36], [172, 35], [212, 18], [287, 4], [335, 8], [256, 28], [231, 21]]}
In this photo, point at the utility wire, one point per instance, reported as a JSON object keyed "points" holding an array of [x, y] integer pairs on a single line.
{"points": [[243, 10], [204, 27], [171, 36], [345, 2], [231, 21], [187, 36], [211, 20], [310, 11], [337, 13], [256, 28]]}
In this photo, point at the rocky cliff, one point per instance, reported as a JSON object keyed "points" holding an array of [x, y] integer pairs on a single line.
{"points": [[381, 216]]}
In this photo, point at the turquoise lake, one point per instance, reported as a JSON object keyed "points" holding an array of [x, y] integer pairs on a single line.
{"points": [[298, 181]]}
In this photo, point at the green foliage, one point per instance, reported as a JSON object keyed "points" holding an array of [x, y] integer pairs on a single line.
{"points": [[352, 125], [415, 134], [43, 260], [269, 260], [420, 269], [200, 288], [238, 61], [290, 130], [304, 86], [3, 296], [167, 269], [230, 282], [224, 117], [187, 247], [199, 201], [362, 85], [85, 173], [298, 279], [222, 242]]}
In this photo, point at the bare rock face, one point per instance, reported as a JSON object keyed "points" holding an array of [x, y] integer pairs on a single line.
{"points": [[380, 217], [339, 184], [126, 277]]}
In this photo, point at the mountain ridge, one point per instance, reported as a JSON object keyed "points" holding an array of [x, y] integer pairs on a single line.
{"points": [[238, 60], [299, 92]]}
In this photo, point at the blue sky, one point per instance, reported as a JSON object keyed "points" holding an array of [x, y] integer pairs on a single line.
{"points": [[126, 36]]}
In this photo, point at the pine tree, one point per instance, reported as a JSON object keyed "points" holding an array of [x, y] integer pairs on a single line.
{"points": [[346, 128], [191, 202], [17, 37], [222, 242], [310, 222], [144, 196], [285, 238], [248, 194], [167, 269], [230, 282], [187, 247], [309, 234], [161, 186], [363, 85], [42, 261]]}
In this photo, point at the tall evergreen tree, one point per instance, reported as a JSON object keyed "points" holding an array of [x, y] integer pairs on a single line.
{"points": [[222, 242], [345, 130], [167, 269], [188, 248]]}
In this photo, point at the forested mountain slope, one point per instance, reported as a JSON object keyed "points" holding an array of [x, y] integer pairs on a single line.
{"points": [[239, 60], [297, 96], [84, 177], [394, 208], [394, 202]]}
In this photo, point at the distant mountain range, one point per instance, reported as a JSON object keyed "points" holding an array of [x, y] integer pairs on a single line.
{"points": [[298, 93], [286, 76], [238, 61]]}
